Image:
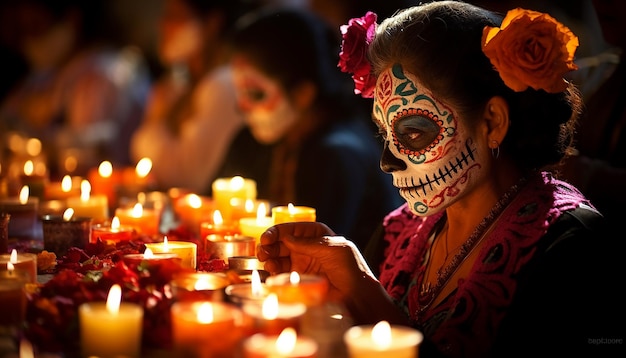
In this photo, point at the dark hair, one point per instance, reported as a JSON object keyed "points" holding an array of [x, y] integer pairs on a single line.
{"points": [[440, 42], [294, 46]]}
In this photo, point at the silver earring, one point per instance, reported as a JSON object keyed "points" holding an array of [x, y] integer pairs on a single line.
{"points": [[495, 151]]}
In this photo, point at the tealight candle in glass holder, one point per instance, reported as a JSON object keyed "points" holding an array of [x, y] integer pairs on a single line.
{"points": [[62, 232], [199, 286], [271, 316], [112, 233], [223, 247]]}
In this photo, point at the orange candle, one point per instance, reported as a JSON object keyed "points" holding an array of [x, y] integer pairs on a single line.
{"points": [[205, 328], [112, 233], [22, 262], [192, 210], [292, 287], [286, 345], [63, 189], [248, 208], [105, 181], [272, 316], [292, 213], [228, 191], [95, 207], [135, 180], [187, 251], [145, 220]]}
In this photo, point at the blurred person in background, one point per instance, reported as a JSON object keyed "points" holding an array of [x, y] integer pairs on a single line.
{"points": [[83, 92], [191, 115], [307, 141]]}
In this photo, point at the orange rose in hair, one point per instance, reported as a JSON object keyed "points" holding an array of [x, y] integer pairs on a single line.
{"points": [[531, 49]]}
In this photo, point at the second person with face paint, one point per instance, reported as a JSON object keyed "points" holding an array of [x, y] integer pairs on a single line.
{"points": [[308, 140]]}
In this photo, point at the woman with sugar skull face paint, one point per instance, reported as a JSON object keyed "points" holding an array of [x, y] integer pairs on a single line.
{"points": [[491, 254]]}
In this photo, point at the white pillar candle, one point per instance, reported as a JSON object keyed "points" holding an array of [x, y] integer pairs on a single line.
{"points": [[382, 340]]}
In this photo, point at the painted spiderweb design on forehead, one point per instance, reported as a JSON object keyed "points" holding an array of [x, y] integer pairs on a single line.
{"points": [[445, 180]]}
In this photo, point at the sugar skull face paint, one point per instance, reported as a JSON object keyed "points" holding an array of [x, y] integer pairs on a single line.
{"points": [[434, 157]]}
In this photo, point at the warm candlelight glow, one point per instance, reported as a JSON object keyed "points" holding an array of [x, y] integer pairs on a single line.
{"points": [[33, 146], [67, 214], [255, 284], [114, 299], [294, 278], [381, 335], [66, 184], [205, 313], [286, 341], [291, 208], [166, 247], [105, 169], [143, 168], [115, 223], [29, 167], [148, 254], [217, 218], [24, 194], [261, 211], [236, 183], [10, 268], [26, 349], [201, 285], [85, 190], [13, 257], [137, 211], [270, 306], [249, 206], [194, 201]]}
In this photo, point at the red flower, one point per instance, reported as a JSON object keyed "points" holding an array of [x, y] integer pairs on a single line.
{"points": [[531, 49], [357, 35]]}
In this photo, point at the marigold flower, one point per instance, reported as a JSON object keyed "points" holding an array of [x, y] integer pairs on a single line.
{"points": [[531, 49]]}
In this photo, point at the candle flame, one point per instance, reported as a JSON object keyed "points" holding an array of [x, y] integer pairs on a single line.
{"points": [[33, 146], [13, 257], [270, 306], [217, 218], [236, 183], [143, 168], [249, 206], [381, 335], [114, 299], [85, 190], [291, 208], [29, 167], [261, 211], [294, 278], [255, 284], [105, 169], [137, 211], [148, 254], [66, 183], [115, 223], [10, 267], [205, 313], [166, 246], [202, 284], [286, 341], [24, 193], [194, 201], [26, 349], [67, 214]]}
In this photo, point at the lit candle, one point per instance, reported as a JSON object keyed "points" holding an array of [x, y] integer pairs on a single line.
{"points": [[199, 286], [247, 208], [35, 177], [111, 329], [22, 262], [187, 251], [137, 179], [382, 340], [12, 297], [292, 213], [271, 316], [254, 290], [292, 287], [105, 181], [112, 233], [226, 190], [23, 211], [192, 210], [205, 328], [62, 190], [87, 205], [254, 227], [286, 345], [145, 220], [62, 232], [150, 258]]}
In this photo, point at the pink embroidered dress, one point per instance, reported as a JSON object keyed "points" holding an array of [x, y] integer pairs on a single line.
{"points": [[468, 318]]}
